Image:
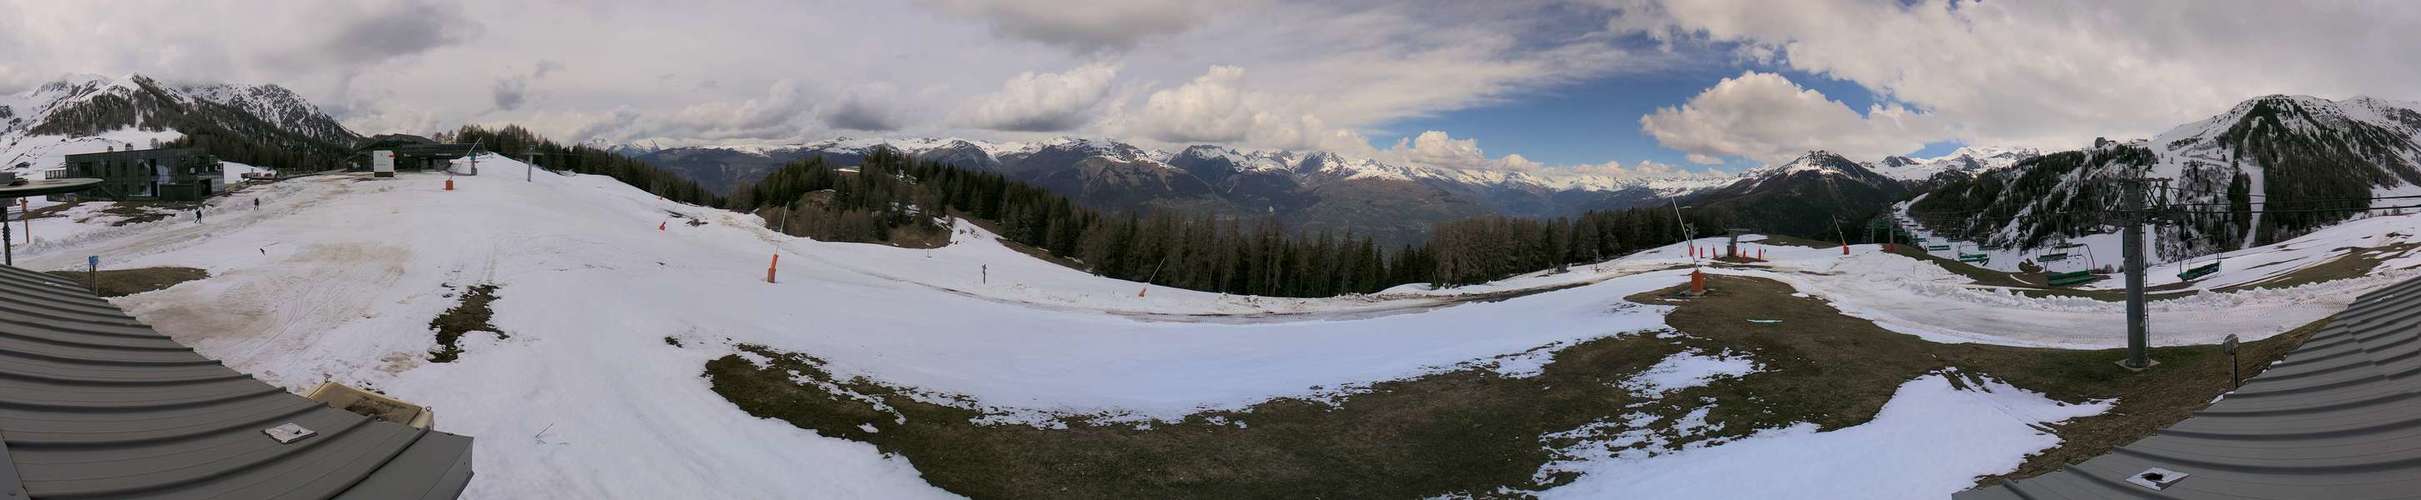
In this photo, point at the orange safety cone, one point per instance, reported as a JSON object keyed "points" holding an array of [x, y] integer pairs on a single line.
{"points": [[777, 263], [449, 184]]}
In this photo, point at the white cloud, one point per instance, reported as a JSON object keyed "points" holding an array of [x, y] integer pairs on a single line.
{"points": [[1045, 102], [2057, 73], [1767, 118], [1216, 108], [1437, 149]]}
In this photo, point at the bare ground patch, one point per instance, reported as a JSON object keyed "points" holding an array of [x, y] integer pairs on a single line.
{"points": [[470, 315], [124, 282]]}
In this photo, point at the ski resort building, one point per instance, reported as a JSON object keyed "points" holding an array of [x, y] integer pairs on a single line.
{"points": [[415, 153], [94, 404], [175, 174], [2336, 419]]}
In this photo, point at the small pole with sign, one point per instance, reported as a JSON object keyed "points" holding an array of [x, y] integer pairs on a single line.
{"points": [[92, 273], [2235, 372]]}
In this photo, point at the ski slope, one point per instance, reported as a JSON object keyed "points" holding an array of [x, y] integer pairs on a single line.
{"points": [[336, 278]]}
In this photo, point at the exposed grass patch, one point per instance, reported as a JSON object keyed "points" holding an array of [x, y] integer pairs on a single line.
{"points": [[124, 282], [59, 210], [139, 212], [1468, 432], [470, 315]]}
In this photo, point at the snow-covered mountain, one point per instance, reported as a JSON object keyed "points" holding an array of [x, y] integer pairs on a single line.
{"points": [[1966, 161], [263, 124], [1807, 196], [1310, 189], [2279, 152]]}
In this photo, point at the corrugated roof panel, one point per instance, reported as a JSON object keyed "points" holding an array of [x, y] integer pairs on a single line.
{"points": [[2340, 417], [94, 404]]}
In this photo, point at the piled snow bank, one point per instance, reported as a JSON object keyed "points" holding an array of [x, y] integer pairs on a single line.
{"points": [[1930, 441]]}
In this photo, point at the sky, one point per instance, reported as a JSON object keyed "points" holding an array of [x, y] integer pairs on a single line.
{"points": [[1623, 87]]}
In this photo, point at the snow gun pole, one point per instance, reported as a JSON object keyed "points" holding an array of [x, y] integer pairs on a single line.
{"points": [[1844, 236]]}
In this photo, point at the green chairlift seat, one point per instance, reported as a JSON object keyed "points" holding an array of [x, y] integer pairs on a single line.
{"points": [[2199, 272], [1974, 257], [2071, 278]]}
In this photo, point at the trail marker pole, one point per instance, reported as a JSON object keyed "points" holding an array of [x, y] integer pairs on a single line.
{"points": [[25, 215]]}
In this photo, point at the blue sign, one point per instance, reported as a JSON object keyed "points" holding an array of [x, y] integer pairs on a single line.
{"points": [[93, 261]]}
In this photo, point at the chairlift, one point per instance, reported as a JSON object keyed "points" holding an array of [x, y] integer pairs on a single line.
{"points": [[2196, 272]]}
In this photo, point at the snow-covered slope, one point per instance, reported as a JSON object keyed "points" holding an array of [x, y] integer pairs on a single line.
{"points": [[336, 277]]}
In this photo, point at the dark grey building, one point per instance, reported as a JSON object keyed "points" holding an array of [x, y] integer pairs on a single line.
{"points": [[2339, 418], [94, 404], [180, 174]]}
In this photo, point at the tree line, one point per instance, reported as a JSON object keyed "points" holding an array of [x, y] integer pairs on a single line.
{"points": [[890, 192]]}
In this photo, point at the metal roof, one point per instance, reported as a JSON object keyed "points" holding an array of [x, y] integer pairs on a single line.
{"points": [[2339, 418], [96, 404]]}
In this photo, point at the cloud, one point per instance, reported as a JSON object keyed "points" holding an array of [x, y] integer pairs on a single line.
{"points": [[397, 29], [511, 92], [776, 115], [1767, 118], [1211, 108], [863, 113], [1044, 102], [1436, 149], [1216, 107], [1087, 26], [2057, 73]]}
